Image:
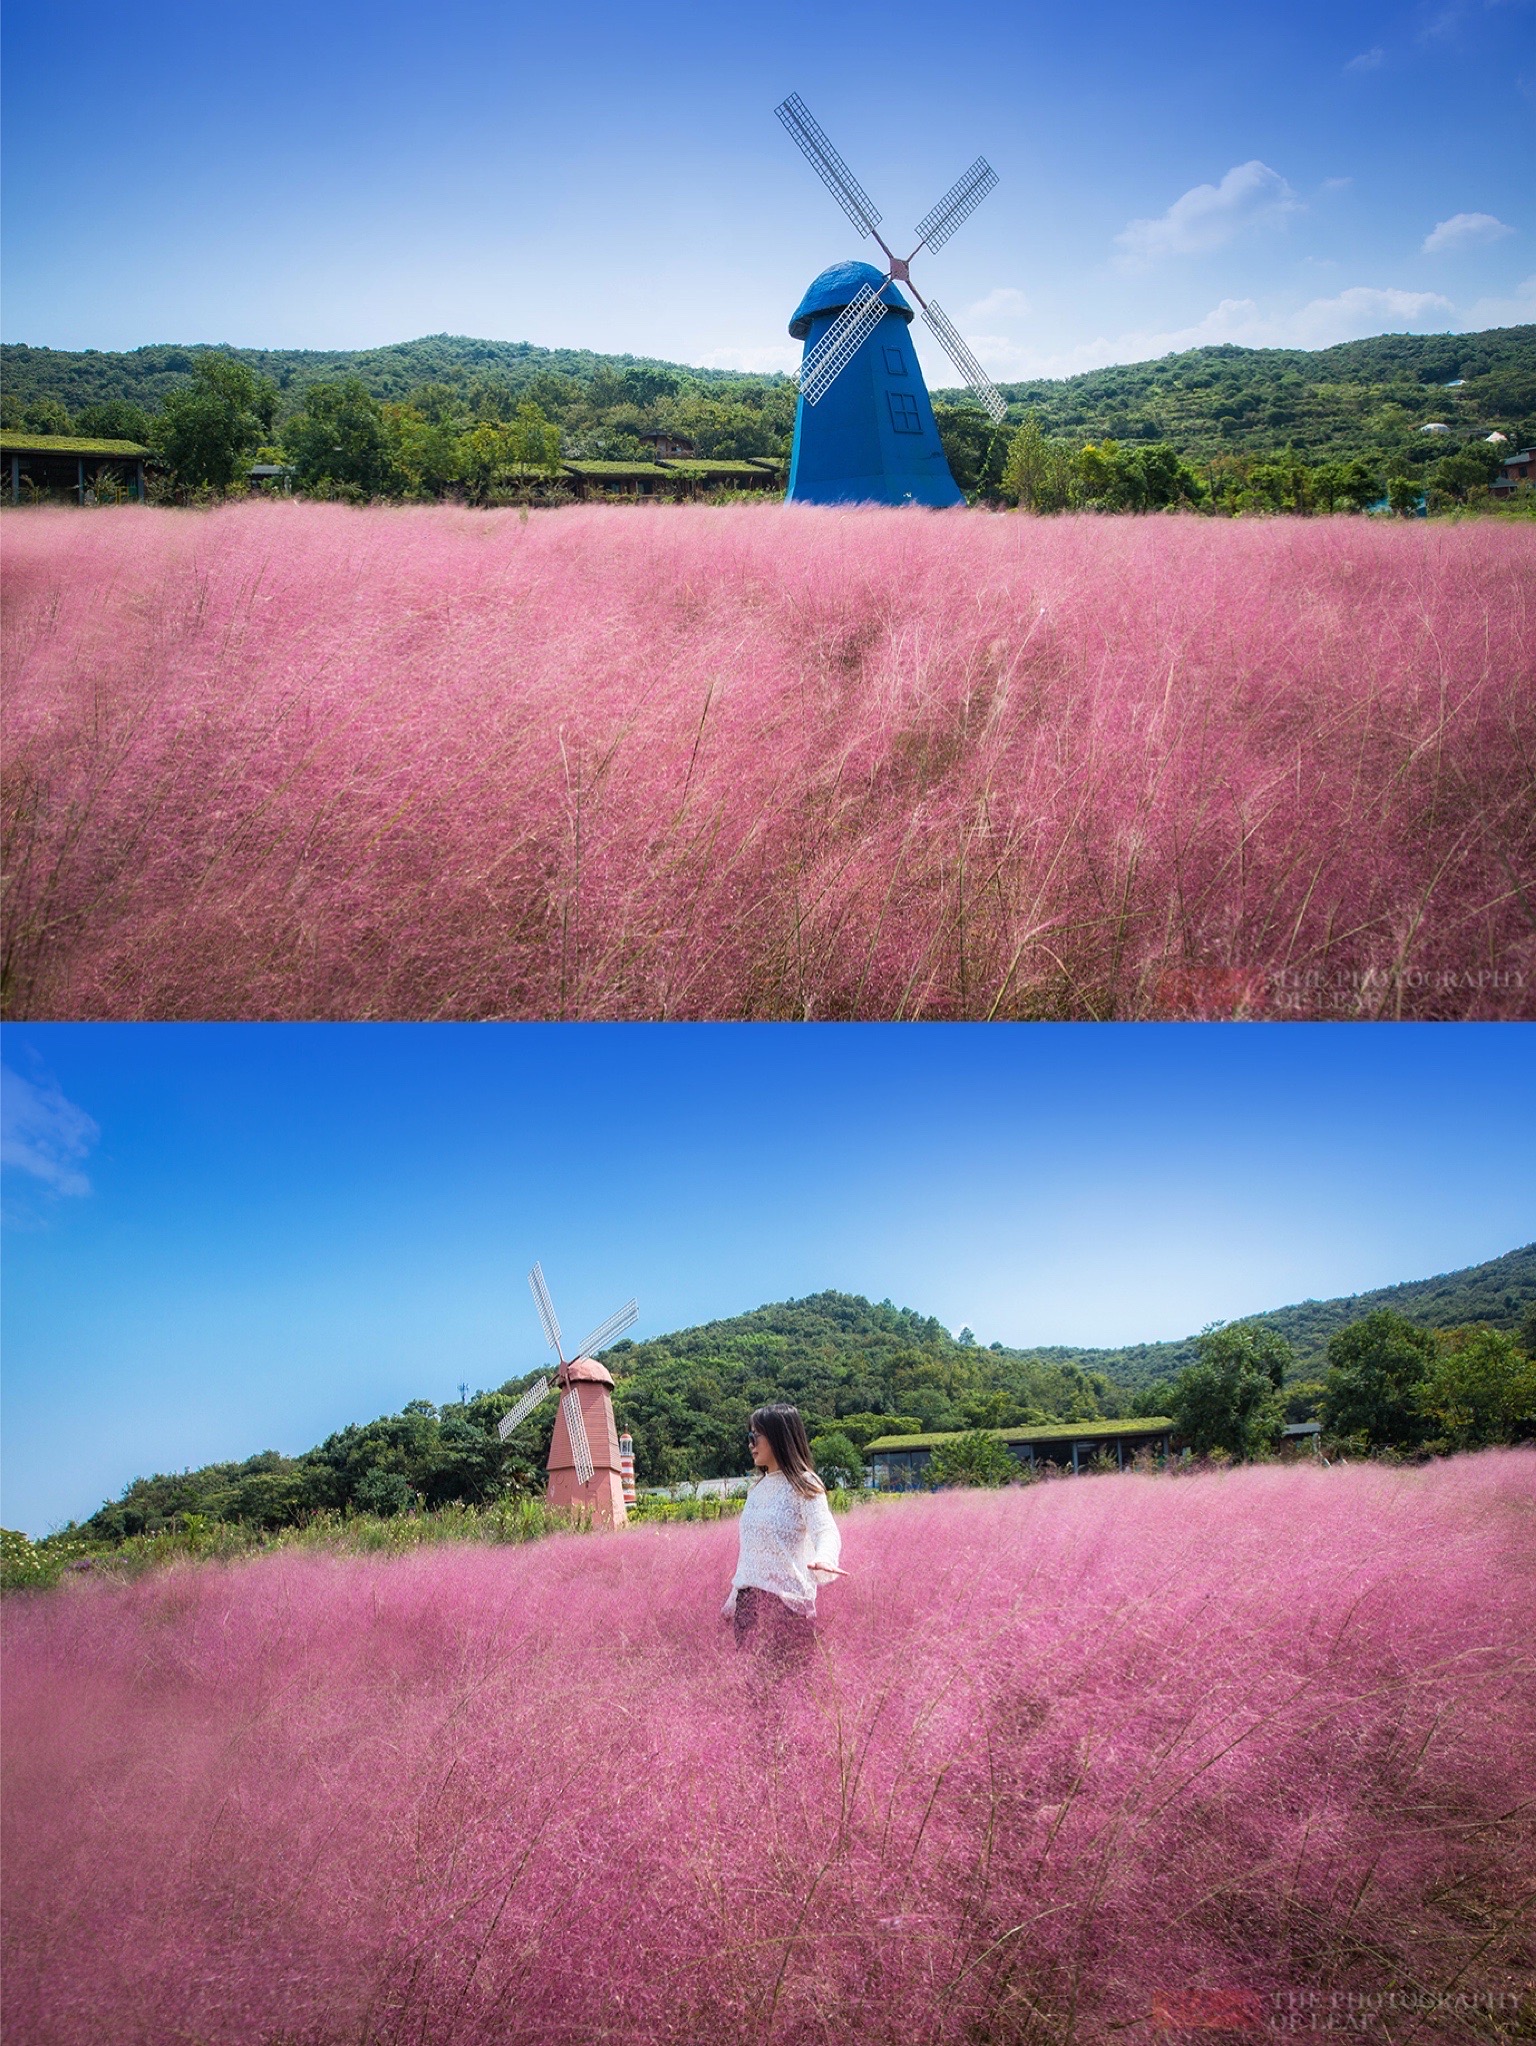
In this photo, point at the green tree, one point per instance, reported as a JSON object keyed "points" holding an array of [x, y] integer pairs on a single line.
{"points": [[1165, 480], [340, 440], [1152, 478], [205, 431], [383, 1492], [492, 456], [441, 404], [862, 1429], [1284, 483], [1480, 1389], [975, 1458], [1348, 485], [535, 440], [117, 419], [1230, 1398], [1098, 476], [1465, 474], [1152, 1401], [1037, 473], [838, 1458], [1375, 1369], [1304, 1399], [46, 415], [995, 1409], [1405, 495], [423, 451]]}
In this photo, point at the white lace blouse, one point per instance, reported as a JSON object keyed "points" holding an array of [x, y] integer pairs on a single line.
{"points": [[788, 1544]]}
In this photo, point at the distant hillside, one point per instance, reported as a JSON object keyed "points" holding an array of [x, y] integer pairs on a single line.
{"points": [[1363, 397], [145, 375], [685, 1397], [1500, 1292]]}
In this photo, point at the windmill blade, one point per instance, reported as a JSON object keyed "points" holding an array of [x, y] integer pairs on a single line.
{"points": [[957, 205], [841, 342], [828, 165], [621, 1319], [576, 1428], [525, 1405], [961, 356], [546, 1307]]}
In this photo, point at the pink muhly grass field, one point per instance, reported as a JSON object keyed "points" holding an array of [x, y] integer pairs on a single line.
{"points": [[1069, 1754], [293, 760]]}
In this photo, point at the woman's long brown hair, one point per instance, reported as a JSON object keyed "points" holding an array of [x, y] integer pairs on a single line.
{"points": [[784, 1431]]}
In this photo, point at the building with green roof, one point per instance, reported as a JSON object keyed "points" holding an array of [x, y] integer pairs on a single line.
{"points": [[900, 1462], [65, 465]]}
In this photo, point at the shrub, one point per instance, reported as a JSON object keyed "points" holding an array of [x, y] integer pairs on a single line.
{"points": [[384, 1493], [974, 1458], [838, 1458]]}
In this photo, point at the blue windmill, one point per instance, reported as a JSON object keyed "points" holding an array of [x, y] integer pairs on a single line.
{"points": [[864, 427]]}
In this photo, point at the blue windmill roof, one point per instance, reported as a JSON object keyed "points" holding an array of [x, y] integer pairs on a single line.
{"points": [[839, 286]]}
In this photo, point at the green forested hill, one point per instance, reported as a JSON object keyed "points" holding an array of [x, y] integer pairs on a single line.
{"points": [[145, 375], [1361, 397], [1501, 1292], [685, 1397], [1368, 398]]}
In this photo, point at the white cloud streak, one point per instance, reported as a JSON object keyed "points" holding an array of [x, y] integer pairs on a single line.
{"points": [[1352, 314], [1208, 217], [43, 1134], [1465, 231], [1517, 310]]}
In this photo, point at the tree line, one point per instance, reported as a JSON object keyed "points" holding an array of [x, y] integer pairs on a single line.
{"points": [[483, 439], [1390, 1386], [1036, 471], [859, 1370], [500, 432]]}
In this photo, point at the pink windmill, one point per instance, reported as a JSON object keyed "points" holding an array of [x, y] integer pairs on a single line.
{"points": [[585, 1469]]}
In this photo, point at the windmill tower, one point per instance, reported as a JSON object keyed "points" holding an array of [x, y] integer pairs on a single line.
{"points": [[584, 1466], [864, 426]]}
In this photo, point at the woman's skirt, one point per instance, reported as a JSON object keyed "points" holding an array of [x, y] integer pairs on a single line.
{"points": [[766, 1627]]}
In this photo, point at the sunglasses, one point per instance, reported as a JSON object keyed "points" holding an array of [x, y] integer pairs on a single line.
{"points": [[753, 1436]]}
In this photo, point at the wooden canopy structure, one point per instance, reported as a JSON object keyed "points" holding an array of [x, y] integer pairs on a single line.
{"points": [[673, 477], [60, 465], [901, 1461]]}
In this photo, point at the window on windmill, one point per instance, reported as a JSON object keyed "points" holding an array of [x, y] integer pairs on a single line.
{"points": [[895, 363], [904, 416]]}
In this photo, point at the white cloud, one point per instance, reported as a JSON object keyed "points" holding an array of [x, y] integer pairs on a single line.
{"points": [[1445, 23], [43, 1134], [1368, 60], [1209, 216], [1003, 305], [1362, 310], [1464, 231], [768, 356], [1518, 310]]}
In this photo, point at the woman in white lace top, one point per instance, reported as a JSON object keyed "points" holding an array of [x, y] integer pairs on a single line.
{"points": [[789, 1543]]}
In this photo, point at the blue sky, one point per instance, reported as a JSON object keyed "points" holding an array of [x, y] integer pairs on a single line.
{"points": [[346, 175], [225, 1238]]}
